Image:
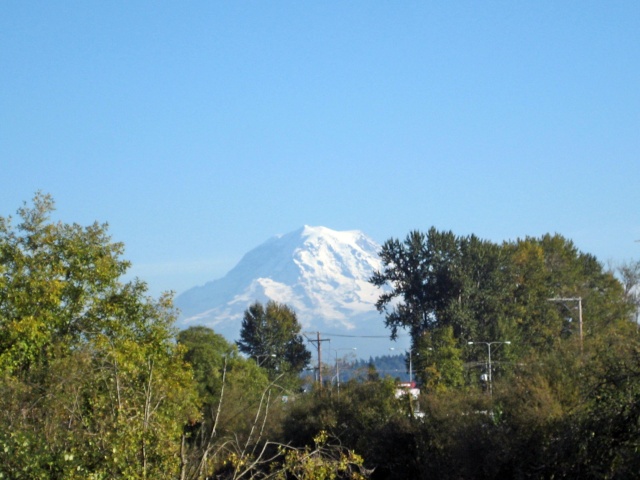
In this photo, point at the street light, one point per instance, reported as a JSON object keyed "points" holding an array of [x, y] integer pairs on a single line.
{"points": [[335, 350], [572, 299], [488, 344], [410, 364], [266, 355]]}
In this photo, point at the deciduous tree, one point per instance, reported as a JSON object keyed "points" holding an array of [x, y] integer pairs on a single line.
{"points": [[92, 383]]}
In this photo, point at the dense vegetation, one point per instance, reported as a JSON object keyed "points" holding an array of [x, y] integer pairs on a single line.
{"points": [[271, 336], [96, 383]]}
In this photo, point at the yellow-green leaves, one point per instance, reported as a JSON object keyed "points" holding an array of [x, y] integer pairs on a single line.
{"points": [[92, 383]]}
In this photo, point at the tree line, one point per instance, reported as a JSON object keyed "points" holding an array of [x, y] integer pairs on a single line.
{"points": [[96, 382]]}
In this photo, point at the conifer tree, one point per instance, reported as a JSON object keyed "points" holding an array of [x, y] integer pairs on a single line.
{"points": [[271, 336]]}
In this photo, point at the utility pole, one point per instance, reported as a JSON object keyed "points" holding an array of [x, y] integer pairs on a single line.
{"points": [[318, 343], [572, 299], [488, 344], [319, 359]]}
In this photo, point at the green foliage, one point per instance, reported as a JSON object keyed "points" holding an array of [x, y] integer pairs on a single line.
{"points": [[271, 336], [489, 292], [607, 440], [438, 360], [394, 366], [92, 383], [206, 352], [552, 267], [564, 403], [442, 280], [230, 386], [629, 274], [54, 277], [324, 462], [352, 414]]}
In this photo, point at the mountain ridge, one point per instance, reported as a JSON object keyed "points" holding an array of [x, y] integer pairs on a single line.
{"points": [[323, 274]]}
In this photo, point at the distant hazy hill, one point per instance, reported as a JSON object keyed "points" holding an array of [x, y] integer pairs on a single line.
{"points": [[321, 273]]}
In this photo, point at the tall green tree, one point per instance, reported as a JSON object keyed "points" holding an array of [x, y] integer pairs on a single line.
{"points": [[448, 290], [92, 383], [487, 292], [407, 269], [551, 267], [271, 336], [438, 279], [54, 278], [438, 360]]}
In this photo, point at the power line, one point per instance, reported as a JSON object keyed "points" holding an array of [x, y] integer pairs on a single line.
{"points": [[356, 336], [318, 343]]}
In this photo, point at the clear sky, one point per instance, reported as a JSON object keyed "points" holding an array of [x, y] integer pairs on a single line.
{"points": [[198, 130]]}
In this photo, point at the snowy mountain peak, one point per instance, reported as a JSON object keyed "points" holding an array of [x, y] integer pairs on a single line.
{"points": [[323, 274], [314, 233]]}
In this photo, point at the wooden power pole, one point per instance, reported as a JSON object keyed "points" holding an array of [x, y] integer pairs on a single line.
{"points": [[318, 343]]}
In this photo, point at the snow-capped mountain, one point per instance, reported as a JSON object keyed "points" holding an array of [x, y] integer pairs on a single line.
{"points": [[321, 273]]}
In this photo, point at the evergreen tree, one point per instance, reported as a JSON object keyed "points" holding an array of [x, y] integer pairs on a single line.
{"points": [[271, 336]]}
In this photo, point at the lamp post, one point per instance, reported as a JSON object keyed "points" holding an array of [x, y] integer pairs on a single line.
{"points": [[264, 358], [410, 364], [488, 344], [335, 350], [572, 299]]}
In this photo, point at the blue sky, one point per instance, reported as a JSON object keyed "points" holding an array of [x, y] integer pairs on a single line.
{"points": [[198, 130]]}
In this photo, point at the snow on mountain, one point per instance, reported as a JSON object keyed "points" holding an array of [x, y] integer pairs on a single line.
{"points": [[321, 273]]}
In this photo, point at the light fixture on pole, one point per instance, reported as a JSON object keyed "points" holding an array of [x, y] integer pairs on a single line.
{"points": [[335, 350], [264, 358], [488, 344], [410, 364], [572, 299]]}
